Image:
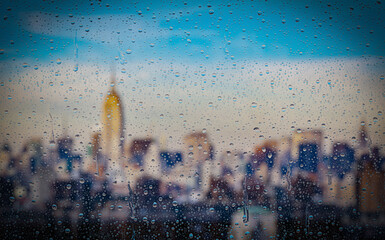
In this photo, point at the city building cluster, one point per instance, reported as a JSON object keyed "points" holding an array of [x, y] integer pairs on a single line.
{"points": [[114, 174]]}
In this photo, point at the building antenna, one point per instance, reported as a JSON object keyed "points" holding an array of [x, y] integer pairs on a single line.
{"points": [[52, 141], [65, 126], [113, 74], [76, 52], [245, 202]]}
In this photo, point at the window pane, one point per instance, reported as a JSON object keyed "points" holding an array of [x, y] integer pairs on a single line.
{"points": [[192, 119]]}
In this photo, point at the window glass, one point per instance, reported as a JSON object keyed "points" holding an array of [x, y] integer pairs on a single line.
{"points": [[192, 119]]}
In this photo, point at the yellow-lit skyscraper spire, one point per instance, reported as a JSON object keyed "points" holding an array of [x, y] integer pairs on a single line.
{"points": [[112, 131]]}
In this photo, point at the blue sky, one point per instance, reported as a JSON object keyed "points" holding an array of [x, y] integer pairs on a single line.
{"points": [[234, 30]]}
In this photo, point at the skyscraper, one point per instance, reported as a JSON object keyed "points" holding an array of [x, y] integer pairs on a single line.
{"points": [[198, 164], [112, 133], [307, 149]]}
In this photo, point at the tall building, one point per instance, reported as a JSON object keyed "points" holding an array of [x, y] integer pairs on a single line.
{"points": [[65, 148], [138, 149], [198, 148], [371, 183], [197, 164], [342, 159], [363, 141], [111, 141], [232, 168], [363, 138], [169, 159], [144, 154], [151, 161], [31, 157], [262, 161], [94, 163], [143, 161], [307, 148]]}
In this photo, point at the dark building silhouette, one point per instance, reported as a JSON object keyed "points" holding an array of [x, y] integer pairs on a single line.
{"points": [[169, 159], [342, 159], [371, 183], [138, 149], [65, 151], [308, 157]]}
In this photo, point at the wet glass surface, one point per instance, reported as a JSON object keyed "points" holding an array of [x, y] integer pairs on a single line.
{"points": [[192, 120]]}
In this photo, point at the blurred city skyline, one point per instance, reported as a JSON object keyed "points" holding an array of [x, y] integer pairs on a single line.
{"points": [[192, 119], [238, 105]]}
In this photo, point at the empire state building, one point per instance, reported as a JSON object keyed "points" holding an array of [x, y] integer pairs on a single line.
{"points": [[112, 133]]}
